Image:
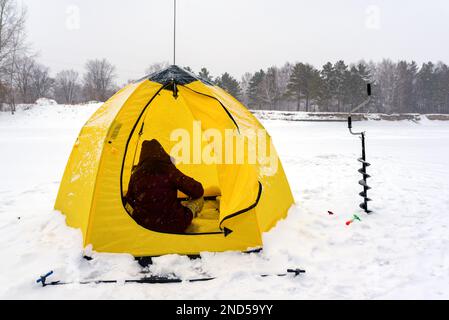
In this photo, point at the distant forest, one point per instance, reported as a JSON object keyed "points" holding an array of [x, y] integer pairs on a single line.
{"points": [[398, 87]]}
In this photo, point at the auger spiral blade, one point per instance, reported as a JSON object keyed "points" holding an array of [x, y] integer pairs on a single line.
{"points": [[363, 172], [365, 207], [364, 184], [364, 162]]}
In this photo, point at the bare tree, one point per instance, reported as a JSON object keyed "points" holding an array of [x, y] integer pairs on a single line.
{"points": [[4, 89], [244, 84], [41, 82], [270, 88], [67, 86], [156, 67], [99, 80], [23, 75], [283, 77], [12, 44], [385, 78], [31, 80]]}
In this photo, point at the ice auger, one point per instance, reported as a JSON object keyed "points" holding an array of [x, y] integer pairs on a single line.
{"points": [[365, 164]]}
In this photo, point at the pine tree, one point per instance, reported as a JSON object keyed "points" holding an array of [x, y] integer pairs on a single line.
{"points": [[441, 91], [328, 89], [425, 84], [311, 84], [205, 74], [230, 84], [341, 77], [304, 82], [294, 87], [255, 89]]}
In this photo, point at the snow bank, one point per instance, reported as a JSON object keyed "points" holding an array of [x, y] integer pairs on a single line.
{"points": [[342, 117], [401, 251], [46, 102]]}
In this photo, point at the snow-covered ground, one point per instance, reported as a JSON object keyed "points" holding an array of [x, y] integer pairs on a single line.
{"points": [[400, 251]]}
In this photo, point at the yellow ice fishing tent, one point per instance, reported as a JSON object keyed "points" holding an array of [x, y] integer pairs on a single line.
{"points": [[170, 106]]}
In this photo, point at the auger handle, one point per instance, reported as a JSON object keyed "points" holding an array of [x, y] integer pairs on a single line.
{"points": [[364, 103], [360, 106]]}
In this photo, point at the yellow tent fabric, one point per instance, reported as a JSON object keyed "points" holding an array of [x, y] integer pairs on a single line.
{"points": [[98, 171]]}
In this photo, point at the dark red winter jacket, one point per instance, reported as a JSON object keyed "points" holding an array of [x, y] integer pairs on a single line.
{"points": [[153, 191]]}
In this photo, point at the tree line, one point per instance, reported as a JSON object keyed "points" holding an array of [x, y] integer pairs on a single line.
{"points": [[398, 87]]}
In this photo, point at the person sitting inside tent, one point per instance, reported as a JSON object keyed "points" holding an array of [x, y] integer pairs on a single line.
{"points": [[153, 192]]}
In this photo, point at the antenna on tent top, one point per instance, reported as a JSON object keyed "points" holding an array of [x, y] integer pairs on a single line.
{"points": [[174, 32]]}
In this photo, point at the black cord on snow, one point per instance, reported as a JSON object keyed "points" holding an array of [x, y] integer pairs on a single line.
{"points": [[152, 279]]}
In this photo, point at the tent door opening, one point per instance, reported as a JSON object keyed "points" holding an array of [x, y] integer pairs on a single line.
{"points": [[165, 116]]}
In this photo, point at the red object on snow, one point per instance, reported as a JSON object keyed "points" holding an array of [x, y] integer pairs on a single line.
{"points": [[348, 223]]}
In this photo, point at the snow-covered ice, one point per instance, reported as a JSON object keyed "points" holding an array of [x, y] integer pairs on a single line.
{"points": [[400, 251]]}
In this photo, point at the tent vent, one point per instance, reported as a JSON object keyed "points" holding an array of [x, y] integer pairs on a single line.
{"points": [[116, 131]]}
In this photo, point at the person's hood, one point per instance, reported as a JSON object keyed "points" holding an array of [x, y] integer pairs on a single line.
{"points": [[153, 151]]}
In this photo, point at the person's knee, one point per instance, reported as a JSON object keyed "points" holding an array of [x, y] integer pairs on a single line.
{"points": [[195, 206]]}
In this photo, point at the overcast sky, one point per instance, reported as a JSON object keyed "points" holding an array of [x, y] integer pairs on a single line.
{"points": [[235, 35]]}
